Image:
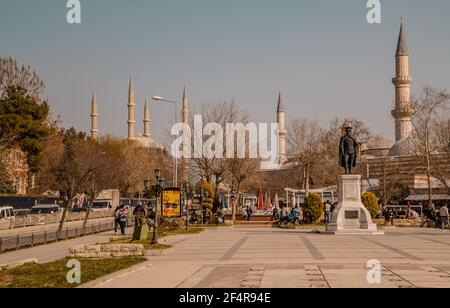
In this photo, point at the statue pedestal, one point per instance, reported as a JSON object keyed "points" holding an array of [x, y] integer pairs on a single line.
{"points": [[351, 216], [140, 233]]}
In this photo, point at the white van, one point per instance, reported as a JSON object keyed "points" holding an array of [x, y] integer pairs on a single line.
{"points": [[102, 205], [6, 216]]}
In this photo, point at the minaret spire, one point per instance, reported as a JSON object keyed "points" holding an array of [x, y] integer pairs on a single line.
{"points": [[94, 117], [403, 111], [402, 47], [282, 132], [131, 107], [146, 120], [185, 116]]}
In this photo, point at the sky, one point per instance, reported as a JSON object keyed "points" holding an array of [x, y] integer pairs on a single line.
{"points": [[322, 54]]}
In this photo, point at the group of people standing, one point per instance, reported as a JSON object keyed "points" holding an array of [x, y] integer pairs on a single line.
{"points": [[295, 215], [143, 214]]}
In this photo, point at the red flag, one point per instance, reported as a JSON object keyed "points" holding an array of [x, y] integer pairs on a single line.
{"points": [[260, 200]]}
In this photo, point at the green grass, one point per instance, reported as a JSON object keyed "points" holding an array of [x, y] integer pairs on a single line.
{"points": [[53, 275]]}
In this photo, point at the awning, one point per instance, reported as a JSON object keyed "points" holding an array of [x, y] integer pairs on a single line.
{"points": [[436, 197]]}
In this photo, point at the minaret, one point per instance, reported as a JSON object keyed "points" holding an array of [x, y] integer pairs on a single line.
{"points": [[131, 106], [94, 117], [185, 118], [282, 132], [146, 120], [403, 111]]}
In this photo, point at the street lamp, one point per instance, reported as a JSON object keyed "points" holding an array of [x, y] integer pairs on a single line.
{"points": [[160, 183], [385, 201], [160, 99], [187, 196]]}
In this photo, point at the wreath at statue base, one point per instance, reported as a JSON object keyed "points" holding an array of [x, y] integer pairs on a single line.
{"points": [[140, 233]]}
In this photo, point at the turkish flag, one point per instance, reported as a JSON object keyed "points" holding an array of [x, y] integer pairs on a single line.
{"points": [[261, 206]]}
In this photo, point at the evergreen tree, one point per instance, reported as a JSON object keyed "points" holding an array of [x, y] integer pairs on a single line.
{"points": [[25, 118]]}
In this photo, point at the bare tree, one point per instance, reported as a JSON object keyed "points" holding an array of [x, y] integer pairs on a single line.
{"points": [[105, 158], [304, 144], [14, 75], [216, 170], [426, 141]]}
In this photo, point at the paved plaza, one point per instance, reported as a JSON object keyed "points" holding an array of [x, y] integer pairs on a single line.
{"points": [[274, 258]]}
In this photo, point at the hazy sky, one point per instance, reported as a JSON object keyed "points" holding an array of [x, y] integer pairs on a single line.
{"points": [[322, 54]]}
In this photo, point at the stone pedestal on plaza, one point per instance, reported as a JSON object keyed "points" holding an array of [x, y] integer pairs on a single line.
{"points": [[351, 216]]}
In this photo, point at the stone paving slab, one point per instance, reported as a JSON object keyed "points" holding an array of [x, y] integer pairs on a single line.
{"points": [[237, 257]]}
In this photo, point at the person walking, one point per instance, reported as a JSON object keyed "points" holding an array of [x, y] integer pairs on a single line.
{"points": [[116, 219], [123, 218], [328, 212], [444, 216]]}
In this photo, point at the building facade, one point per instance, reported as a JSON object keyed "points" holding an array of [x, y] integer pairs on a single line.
{"points": [[15, 161]]}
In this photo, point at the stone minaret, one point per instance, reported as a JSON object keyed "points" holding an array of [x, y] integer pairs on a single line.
{"points": [[403, 111], [146, 120], [131, 106], [94, 117], [282, 131], [185, 118]]}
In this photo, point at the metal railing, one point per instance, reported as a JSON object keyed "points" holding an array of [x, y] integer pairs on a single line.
{"points": [[21, 241], [40, 220]]}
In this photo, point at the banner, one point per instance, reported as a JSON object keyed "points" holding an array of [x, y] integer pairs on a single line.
{"points": [[172, 202]]}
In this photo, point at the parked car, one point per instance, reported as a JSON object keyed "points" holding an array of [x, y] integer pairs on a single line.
{"points": [[21, 213], [79, 210], [45, 209], [6, 216]]}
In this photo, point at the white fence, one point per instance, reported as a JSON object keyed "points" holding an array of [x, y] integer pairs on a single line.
{"points": [[38, 220]]}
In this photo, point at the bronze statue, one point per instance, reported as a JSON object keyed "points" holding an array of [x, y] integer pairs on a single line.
{"points": [[348, 150]]}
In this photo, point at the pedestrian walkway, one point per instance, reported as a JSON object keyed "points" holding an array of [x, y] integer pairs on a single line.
{"points": [[272, 258], [55, 251]]}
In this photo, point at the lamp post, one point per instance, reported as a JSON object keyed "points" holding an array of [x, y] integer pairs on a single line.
{"points": [[385, 199], [160, 99], [146, 184], [160, 182], [202, 191], [186, 203]]}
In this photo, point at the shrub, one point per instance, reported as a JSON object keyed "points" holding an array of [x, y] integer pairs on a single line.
{"points": [[370, 201], [313, 208]]}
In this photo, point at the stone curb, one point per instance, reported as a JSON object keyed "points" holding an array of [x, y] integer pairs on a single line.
{"points": [[110, 277], [15, 264]]}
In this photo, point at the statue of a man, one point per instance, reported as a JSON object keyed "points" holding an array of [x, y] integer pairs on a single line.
{"points": [[348, 150]]}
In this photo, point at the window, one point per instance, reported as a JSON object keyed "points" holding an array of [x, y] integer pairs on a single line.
{"points": [[7, 158], [2, 214], [17, 185], [18, 158]]}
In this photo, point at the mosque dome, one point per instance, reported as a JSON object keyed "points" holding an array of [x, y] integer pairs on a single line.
{"points": [[402, 148], [380, 142], [378, 147]]}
